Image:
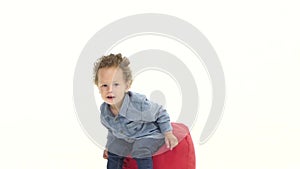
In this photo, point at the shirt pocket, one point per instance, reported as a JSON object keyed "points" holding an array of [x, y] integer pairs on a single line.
{"points": [[133, 127]]}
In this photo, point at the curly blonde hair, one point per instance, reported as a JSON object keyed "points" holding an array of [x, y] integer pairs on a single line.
{"points": [[113, 60]]}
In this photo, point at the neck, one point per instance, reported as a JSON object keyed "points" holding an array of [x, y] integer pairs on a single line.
{"points": [[114, 109]]}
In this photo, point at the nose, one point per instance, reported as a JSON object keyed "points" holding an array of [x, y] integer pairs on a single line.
{"points": [[109, 88]]}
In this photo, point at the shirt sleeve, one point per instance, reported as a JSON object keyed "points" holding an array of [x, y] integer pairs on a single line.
{"points": [[156, 113], [110, 137], [163, 120]]}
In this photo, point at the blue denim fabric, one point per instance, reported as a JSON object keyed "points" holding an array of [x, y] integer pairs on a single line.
{"points": [[138, 128], [141, 148], [138, 118], [116, 162], [144, 163]]}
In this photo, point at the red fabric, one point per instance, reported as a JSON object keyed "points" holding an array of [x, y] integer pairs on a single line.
{"points": [[181, 157]]}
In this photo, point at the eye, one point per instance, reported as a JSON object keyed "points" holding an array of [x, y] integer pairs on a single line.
{"points": [[103, 85], [116, 84]]}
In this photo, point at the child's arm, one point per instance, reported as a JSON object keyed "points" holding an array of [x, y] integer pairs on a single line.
{"points": [[161, 117], [163, 120], [109, 140]]}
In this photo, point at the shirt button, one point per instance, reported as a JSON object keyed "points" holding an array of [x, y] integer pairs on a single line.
{"points": [[121, 132]]}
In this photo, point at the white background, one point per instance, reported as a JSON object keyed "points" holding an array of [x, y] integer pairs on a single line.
{"points": [[257, 43]]}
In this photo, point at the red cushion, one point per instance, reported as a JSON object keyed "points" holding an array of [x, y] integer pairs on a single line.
{"points": [[181, 157]]}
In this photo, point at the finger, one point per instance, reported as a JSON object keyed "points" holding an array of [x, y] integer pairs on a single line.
{"points": [[167, 143], [105, 154], [173, 144]]}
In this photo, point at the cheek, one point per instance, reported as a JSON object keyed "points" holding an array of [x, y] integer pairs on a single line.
{"points": [[120, 91], [100, 91]]}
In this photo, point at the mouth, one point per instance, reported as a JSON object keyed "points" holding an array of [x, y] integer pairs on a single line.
{"points": [[110, 97]]}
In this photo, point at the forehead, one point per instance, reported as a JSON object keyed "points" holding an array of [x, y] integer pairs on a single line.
{"points": [[110, 74]]}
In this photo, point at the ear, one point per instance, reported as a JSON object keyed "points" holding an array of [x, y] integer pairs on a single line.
{"points": [[128, 85]]}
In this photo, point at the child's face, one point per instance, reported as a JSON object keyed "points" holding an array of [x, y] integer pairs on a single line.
{"points": [[112, 85]]}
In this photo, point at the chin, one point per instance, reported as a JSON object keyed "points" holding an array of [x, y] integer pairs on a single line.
{"points": [[110, 102]]}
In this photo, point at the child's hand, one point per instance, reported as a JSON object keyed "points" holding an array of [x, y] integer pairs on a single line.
{"points": [[171, 140], [105, 154]]}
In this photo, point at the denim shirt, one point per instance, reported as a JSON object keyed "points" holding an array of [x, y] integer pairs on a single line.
{"points": [[138, 118]]}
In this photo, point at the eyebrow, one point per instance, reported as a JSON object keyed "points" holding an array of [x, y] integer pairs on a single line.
{"points": [[108, 82]]}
